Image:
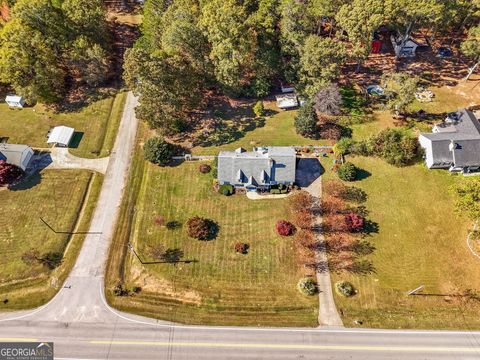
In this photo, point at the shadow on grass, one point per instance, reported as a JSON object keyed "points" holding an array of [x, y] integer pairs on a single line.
{"points": [[76, 139], [221, 132], [27, 182], [362, 174]]}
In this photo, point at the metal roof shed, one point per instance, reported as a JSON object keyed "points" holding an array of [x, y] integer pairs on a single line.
{"points": [[61, 136], [15, 101], [287, 101]]}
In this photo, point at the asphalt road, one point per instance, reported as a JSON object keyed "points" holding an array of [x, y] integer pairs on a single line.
{"points": [[82, 326]]}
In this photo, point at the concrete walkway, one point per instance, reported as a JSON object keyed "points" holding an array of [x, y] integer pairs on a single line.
{"points": [[62, 159], [327, 315], [253, 195]]}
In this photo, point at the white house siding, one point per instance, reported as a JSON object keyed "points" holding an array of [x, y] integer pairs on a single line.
{"points": [[427, 145]]}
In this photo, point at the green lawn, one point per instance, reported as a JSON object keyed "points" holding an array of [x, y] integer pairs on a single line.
{"points": [[278, 130], [63, 198], [222, 287], [420, 242], [97, 122]]}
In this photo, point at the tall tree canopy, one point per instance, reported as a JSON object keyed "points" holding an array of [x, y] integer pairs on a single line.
{"points": [[44, 43]]}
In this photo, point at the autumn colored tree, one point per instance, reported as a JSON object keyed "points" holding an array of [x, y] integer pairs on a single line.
{"points": [[285, 228], [354, 222], [201, 228], [9, 173]]}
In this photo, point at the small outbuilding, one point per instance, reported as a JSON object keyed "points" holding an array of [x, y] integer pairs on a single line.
{"points": [[60, 136], [409, 46], [286, 88], [15, 154], [287, 101], [15, 101]]}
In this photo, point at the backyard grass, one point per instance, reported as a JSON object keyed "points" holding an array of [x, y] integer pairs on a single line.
{"points": [[421, 241], [65, 199], [96, 125], [221, 287], [278, 130]]}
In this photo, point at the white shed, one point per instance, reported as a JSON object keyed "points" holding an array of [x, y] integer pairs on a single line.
{"points": [[287, 101], [409, 47], [19, 155], [61, 136], [15, 101]]}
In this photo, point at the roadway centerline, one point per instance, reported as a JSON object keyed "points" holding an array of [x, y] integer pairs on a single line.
{"points": [[18, 340], [292, 346]]}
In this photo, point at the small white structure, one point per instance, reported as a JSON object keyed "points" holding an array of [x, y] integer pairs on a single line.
{"points": [[286, 88], [287, 101], [409, 47], [15, 101], [19, 155], [60, 136]]}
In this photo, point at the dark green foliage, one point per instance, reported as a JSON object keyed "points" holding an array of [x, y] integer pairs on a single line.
{"points": [[345, 288], [43, 45], [347, 172], [308, 286], [158, 151], [121, 290], [306, 121], [395, 146], [354, 194], [226, 189]]}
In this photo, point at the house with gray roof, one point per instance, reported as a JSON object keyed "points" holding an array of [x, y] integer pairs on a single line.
{"points": [[257, 169], [19, 155], [454, 144]]}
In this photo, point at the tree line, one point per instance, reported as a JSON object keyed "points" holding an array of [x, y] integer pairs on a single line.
{"points": [[242, 47], [48, 45]]}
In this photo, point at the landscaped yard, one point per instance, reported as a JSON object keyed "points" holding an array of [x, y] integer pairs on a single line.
{"points": [[278, 130], [96, 126], [220, 287], [421, 241], [65, 199]]}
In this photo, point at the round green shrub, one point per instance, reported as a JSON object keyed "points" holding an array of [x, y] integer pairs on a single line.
{"points": [[226, 190], [345, 288], [347, 172], [158, 151], [307, 286]]}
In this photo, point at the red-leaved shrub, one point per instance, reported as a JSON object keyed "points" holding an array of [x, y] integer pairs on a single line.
{"points": [[354, 222], [284, 228], [9, 173]]}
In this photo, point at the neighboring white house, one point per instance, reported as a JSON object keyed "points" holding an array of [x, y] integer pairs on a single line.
{"points": [[15, 101], [409, 47], [61, 136], [453, 144], [19, 155], [287, 101]]}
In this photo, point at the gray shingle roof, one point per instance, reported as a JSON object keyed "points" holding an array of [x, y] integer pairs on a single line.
{"points": [[464, 133], [260, 166]]}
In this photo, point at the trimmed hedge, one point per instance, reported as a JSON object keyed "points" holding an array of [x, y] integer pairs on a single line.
{"points": [[226, 190], [347, 172], [307, 286], [345, 288]]}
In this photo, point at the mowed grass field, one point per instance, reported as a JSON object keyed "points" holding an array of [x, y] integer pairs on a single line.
{"points": [[96, 125], [65, 199], [421, 241], [221, 287], [278, 130]]}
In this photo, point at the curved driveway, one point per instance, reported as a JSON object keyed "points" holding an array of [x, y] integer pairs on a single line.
{"points": [[83, 326]]}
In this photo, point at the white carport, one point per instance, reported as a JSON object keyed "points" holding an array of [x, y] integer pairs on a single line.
{"points": [[15, 101], [61, 136]]}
